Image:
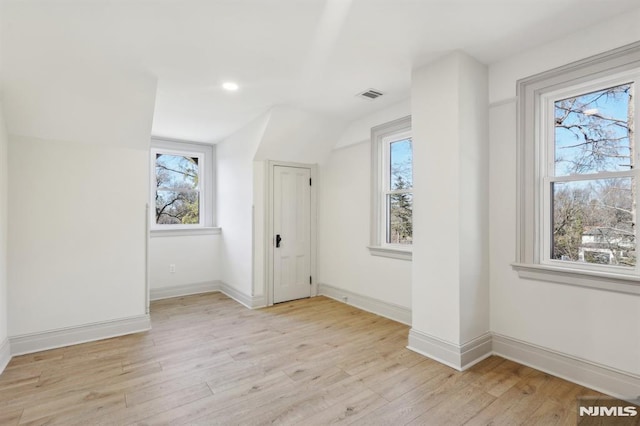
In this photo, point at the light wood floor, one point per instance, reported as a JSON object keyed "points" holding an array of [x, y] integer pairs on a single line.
{"points": [[209, 360]]}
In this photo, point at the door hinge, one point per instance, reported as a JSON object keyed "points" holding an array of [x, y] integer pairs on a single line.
{"points": [[309, 181], [310, 281]]}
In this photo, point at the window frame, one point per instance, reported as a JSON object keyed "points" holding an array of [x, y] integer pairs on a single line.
{"points": [[206, 187], [381, 138], [535, 141], [547, 112]]}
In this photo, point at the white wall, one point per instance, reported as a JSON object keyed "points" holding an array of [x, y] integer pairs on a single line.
{"points": [[196, 259], [450, 134], [344, 204], [344, 201], [359, 130], [597, 326], [76, 234], [298, 136], [283, 134], [292, 135], [474, 199], [4, 174], [436, 268], [235, 203], [79, 136], [195, 256]]}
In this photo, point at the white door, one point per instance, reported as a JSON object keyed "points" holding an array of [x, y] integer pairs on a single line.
{"points": [[292, 233]]}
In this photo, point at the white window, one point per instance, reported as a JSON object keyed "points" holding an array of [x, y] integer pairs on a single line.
{"points": [[578, 185], [181, 186], [392, 189]]}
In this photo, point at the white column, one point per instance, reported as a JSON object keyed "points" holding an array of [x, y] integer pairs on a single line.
{"points": [[450, 284]]}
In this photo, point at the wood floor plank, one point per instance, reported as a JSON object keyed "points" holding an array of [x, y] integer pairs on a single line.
{"points": [[10, 417], [349, 410], [131, 414], [458, 409], [208, 360], [227, 405]]}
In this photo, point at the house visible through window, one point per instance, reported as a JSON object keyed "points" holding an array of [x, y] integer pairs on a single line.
{"points": [[578, 173], [392, 189], [592, 180], [181, 185]]}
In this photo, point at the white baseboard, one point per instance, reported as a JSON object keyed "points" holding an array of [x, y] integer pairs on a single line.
{"points": [[376, 306], [5, 354], [460, 357], [251, 302], [620, 384], [36, 342], [258, 302], [185, 290], [602, 378]]}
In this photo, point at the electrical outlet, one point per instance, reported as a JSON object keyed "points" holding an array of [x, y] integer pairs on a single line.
{"points": [[172, 268]]}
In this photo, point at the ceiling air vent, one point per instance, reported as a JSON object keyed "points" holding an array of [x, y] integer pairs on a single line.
{"points": [[370, 94]]}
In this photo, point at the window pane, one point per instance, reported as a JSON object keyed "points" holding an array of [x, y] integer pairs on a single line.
{"points": [[176, 171], [401, 165], [592, 132], [399, 218], [593, 221], [176, 207]]}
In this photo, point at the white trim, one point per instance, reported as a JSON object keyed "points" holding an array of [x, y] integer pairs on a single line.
{"points": [[366, 303], [206, 185], [546, 141], [352, 144], [147, 264], [381, 135], [211, 230], [390, 252], [36, 342], [258, 302], [460, 357], [185, 290], [618, 283], [251, 302], [602, 378], [506, 101], [5, 354], [620, 384], [201, 188], [531, 246]]}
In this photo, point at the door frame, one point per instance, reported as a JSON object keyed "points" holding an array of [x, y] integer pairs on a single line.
{"points": [[269, 216]]}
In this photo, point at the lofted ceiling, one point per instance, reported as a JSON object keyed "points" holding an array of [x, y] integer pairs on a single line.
{"points": [[310, 54]]}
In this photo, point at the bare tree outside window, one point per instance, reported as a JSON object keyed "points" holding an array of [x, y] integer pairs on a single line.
{"points": [[594, 204], [177, 189]]}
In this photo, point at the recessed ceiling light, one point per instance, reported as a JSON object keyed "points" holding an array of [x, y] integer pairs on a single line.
{"points": [[230, 86]]}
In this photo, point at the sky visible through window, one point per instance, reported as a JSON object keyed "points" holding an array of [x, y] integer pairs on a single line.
{"points": [[592, 133], [177, 193], [400, 205], [401, 164], [594, 215]]}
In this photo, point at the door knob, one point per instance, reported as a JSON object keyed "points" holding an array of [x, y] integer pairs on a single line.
{"points": [[278, 239]]}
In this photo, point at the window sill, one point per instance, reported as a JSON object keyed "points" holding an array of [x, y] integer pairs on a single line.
{"points": [[618, 283], [155, 233], [392, 253]]}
